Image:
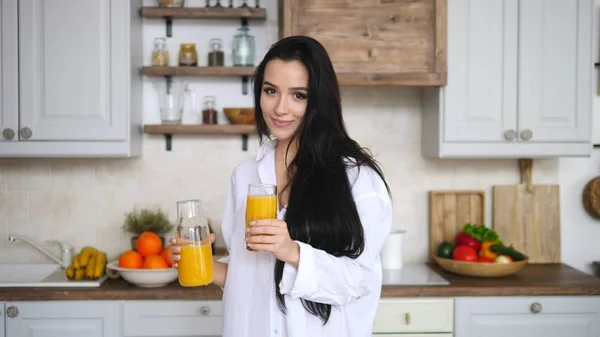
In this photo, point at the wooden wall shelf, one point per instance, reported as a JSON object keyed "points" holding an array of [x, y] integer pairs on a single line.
{"points": [[224, 13], [218, 13], [168, 130], [198, 71]]}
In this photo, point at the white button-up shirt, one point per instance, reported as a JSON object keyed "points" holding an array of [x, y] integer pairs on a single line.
{"points": [[351, 286]]}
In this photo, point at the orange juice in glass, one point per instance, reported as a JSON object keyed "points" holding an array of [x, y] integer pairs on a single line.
{"points": [[195, 266], [261, 203]]}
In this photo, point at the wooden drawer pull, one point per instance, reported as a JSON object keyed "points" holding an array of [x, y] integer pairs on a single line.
{"points": [[407, 318]]}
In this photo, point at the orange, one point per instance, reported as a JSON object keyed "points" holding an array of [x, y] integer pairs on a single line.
{"points": [[148, 243], [166, 254], [155, 262], [131, 259]]}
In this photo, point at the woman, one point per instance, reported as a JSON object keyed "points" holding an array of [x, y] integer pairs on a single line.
{"points": [[321, 273]]}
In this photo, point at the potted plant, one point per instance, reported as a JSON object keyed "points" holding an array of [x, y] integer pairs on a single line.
{"points": [[146, 220]]}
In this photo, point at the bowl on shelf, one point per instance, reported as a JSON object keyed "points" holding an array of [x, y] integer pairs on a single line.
{"points": [[239, 115], [480, 269], [145, 278]]}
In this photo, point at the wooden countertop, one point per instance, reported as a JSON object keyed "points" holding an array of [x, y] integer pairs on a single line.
{"points": [[533, 280]]}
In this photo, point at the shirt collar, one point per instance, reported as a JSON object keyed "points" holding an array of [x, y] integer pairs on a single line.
{"points": [[265, 148]]}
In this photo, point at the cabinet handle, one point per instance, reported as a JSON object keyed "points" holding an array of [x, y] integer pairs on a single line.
{"points": [[8, 134], [12, 312], [26, 133], [407, 318], [526, 134], [510, 134], [205, 311], [535, 307]]}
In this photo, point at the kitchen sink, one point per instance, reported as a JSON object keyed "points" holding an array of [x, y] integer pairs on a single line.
{"points": [[40, 275]]}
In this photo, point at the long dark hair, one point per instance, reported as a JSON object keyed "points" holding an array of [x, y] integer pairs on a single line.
{"points": [[321, 210]]}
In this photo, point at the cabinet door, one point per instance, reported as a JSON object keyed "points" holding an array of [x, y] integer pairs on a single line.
{"points": [[9, 71], [480, 100], [575, 316], [555, 70], [2, 315], [64, 319], [73, 69]]}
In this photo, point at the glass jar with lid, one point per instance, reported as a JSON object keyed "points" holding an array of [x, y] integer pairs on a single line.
{"points": [[188, 55], [209, 112], [243, 48], [160, 54], [216, 55]]}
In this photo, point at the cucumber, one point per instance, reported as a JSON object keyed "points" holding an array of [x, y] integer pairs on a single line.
{"points": [[509, 251]]}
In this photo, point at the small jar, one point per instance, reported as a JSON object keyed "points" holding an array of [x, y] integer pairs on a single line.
{"points": [[170, 3], [216, 55], [160, 54], [187, 55], [243, 48], [209, 113]]}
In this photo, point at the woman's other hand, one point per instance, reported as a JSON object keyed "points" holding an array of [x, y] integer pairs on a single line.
{"points": [[175, 249], [271, 235]]}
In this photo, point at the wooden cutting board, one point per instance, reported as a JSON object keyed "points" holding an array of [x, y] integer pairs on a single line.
{"points": [[528, 217], [449, 211]]}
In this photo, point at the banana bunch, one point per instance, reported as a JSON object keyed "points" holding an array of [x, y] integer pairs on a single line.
{"points": [[89, 264]]}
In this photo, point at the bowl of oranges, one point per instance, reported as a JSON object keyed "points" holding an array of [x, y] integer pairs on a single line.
{"points": [[149, 266]]}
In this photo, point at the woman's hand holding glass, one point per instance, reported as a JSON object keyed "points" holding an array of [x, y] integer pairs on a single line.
{"points": [[271, 235]]}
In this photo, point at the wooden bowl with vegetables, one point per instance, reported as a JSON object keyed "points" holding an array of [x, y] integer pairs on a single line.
{"points": [[478, 251]]}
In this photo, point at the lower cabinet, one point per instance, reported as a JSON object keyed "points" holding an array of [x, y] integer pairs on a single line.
{"points": [[555, 316], [172, 318], [423, 317], [62, 318]]}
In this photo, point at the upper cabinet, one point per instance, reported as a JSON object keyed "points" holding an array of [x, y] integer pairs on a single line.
{"points": [[519, 81], [71, 82], [401, 42]]}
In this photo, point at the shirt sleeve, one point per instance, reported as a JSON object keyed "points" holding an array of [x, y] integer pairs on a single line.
{"points": [[324, 278], [227, 226]]}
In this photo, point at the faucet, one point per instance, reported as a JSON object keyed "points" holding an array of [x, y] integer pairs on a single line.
{"points": [[66, 251]]}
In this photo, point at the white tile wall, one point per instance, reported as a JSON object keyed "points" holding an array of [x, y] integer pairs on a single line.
{"points": [[84, 201]]}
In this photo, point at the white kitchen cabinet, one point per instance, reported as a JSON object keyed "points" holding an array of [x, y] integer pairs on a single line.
{"points": [[414, 317], [519, 81], [62, 318], [2, 310], [555, 316], [70, 80], [172, 318]]}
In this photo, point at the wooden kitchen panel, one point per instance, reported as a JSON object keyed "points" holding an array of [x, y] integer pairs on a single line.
{"points": [[376, 42], [449, 211]]}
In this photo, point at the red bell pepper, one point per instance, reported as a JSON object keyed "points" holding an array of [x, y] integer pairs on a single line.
{"points": [[464, 239]]}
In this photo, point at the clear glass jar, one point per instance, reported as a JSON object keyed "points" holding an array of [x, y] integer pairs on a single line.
{"points": [[215, 55], [195, 266], [188, 55], [160, 54], [209, 112], [170, 3], [243, 48]]}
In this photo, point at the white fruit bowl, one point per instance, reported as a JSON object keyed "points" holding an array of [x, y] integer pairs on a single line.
{"points": [[145, 278]]}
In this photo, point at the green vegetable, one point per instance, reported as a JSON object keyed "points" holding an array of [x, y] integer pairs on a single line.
{"points": [[445, 250], [509, 251], [481, 233]]}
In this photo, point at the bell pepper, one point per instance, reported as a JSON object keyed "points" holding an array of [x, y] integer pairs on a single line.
{"points": [[486, 252], [464, 239]]}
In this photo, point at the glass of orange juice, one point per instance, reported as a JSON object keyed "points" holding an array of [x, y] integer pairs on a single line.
{"points": [[195, 266], [261, 203]]}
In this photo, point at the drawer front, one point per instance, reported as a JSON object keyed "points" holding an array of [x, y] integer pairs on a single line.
{"points": [[173, 318], [529, 305], [413, 335], [414, 315]]}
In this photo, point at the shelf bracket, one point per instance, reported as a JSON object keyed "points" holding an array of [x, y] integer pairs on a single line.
{"points": [[245, 85], [169, 26], [244, 22], [244, 142], [169, 141]]}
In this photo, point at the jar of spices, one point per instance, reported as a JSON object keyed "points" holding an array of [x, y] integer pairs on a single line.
{"points": [[215, 55], [209, 113], [188, 55], [160, 54], [243, 48]]}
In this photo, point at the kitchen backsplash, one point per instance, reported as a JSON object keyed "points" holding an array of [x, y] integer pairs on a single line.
{"points": [[83, 201]]}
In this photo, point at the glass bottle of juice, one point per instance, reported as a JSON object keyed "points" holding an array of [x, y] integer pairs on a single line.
{"points": [[195, 267]]}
